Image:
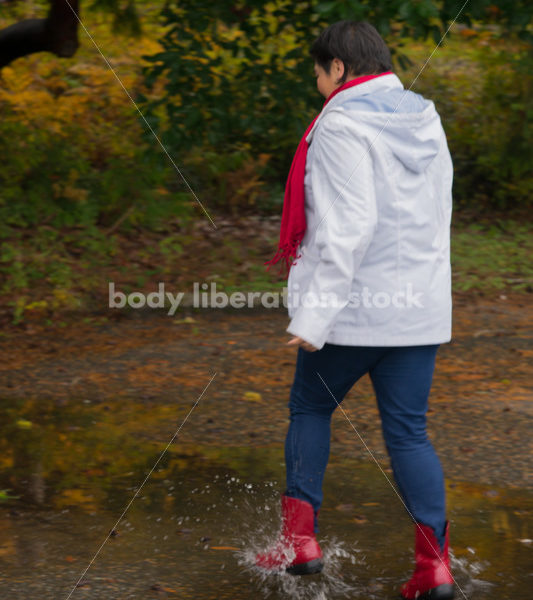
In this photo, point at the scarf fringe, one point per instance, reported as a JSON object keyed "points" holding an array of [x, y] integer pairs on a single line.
{"points": [[288, 254]]}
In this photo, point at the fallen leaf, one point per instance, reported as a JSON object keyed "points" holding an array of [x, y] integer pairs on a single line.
{"points": [[184, 320], [360, 519], [83, 584], [156, 587]]}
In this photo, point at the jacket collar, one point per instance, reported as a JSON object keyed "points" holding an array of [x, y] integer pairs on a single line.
{"points": [[380, 84]]}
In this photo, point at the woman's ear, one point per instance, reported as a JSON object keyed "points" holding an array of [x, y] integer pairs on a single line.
{"points": [[338, 69]]}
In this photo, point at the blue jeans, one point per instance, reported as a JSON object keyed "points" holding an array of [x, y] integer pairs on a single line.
{"points": [[401, 377]]}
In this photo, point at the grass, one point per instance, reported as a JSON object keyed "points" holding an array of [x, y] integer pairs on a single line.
{"points": [[492, 257]]}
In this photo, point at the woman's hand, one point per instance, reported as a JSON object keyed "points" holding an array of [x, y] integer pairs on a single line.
{"points": [[298, 341]]}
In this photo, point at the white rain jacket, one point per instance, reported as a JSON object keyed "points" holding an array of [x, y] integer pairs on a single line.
{"points": [[375, 259]]}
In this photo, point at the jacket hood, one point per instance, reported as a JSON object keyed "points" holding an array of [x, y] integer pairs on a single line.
{"points": [[405, 121], [413, 138]]}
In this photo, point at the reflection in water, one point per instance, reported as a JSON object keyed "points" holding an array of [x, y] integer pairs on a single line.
{"points": [[197, 533], [194, 529]]}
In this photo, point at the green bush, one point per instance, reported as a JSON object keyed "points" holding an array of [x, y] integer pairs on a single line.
{"points": [[483, 90], [234, 79], [239, 85], [48, 179], [238, 82]]}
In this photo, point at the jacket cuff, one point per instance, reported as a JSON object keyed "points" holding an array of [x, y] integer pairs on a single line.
{"points": [[310, 326]]}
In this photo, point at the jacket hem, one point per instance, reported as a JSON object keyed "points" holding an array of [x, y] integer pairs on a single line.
{"points": [[375, 340]]}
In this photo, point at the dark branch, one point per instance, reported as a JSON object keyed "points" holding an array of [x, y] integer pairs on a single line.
{"points": [[58, 33]]}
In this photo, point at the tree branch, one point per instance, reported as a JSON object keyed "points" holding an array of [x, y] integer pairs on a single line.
{"points": [[58, 34]]}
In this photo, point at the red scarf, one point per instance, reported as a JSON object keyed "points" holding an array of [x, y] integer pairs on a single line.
{"points": [[293, 222]]}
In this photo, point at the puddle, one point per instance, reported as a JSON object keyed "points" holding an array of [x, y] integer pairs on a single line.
{"points": [[194, 527]]}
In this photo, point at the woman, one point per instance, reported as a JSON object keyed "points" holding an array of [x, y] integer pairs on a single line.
{"points": [[365, 233]]}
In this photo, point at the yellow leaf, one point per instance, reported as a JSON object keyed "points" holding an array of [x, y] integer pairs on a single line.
{"points": [[252, 396], [185, 320]]}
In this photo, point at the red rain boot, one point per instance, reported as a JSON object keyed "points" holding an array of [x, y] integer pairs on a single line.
{"points": [[432, 578], [297, 550]]}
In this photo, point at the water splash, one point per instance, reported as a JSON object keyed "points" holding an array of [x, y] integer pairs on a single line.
{"points": [[465, 571], [260, 519], [330, 583]]}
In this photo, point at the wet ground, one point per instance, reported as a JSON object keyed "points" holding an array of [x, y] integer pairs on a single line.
{"points": [[192, 531], [88, 408]]}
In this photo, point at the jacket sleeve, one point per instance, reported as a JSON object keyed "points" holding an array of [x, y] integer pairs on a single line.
{"points": [[342, 183]]}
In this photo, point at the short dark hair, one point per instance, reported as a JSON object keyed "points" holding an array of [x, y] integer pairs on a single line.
{"points": [[357, 44]]}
